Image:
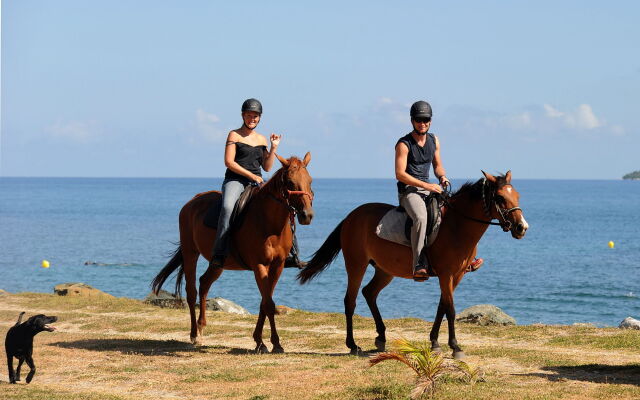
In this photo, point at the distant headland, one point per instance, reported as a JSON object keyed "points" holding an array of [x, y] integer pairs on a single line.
{"points": [[635, 175]]}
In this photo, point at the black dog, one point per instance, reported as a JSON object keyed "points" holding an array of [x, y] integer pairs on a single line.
{"points": [[19, 343]]}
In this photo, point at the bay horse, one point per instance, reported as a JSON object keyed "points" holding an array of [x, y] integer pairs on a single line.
{"points": [[260, 243], [466, 216]]}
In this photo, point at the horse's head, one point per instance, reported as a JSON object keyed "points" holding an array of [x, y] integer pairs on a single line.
{"points": [[297, 186], [502, 202]]}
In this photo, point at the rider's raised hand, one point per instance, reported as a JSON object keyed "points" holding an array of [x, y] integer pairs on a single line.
{"points": [[275, 140]]}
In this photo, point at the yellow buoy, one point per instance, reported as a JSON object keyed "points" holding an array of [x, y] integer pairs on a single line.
{"points": [[611, 244], [45, 264]]}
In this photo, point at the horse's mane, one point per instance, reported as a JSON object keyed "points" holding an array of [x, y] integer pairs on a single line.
{"points": [[274, 184], [474, 189]]}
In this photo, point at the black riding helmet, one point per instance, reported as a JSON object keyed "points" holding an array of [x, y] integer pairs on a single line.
{"points": [[420, 109], [252, 105]]}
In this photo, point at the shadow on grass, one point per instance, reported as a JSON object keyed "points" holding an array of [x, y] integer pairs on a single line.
{"points": [[171, 348], [628, 374], [239, 351], [133, 346]]}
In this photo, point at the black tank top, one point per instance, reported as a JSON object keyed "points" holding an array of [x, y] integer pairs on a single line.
{"points": [[419, 158], [248, 157]]}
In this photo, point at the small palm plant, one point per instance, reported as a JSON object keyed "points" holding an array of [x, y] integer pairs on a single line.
{"points": [[427, 364]]}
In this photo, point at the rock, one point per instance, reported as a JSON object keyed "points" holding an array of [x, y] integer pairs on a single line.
{"points": [[3, 292], [78, 289], [284, 310], [485, 314], [629, 323], [165, 299], [220, 304]]}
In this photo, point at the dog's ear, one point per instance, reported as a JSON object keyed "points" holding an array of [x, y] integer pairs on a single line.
{"points": [[20, 318]]}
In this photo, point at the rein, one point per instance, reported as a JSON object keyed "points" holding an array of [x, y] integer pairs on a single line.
{"points": [[486, 206], [285, 201]]}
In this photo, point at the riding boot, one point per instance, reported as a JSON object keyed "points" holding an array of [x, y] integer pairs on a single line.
{"points": [[422, 270], [293, 261]]}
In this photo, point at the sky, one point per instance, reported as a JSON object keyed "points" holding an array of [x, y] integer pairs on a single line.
{"points": [[546, 89]]}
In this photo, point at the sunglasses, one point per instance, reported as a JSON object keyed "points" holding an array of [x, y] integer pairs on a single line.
{"points": [[423, 120]]}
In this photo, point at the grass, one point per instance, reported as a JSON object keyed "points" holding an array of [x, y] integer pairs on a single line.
{"points": [[115, 348]]}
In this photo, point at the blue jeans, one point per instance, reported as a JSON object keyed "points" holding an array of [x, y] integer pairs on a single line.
{"points": [[231, 191]]}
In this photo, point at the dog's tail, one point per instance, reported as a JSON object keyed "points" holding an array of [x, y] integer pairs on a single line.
{"points": [[19, 319]]}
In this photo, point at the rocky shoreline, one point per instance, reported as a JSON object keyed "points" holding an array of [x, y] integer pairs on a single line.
{"points": [[480, 314]]}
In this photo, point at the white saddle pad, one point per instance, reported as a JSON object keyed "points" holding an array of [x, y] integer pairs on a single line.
{"points": [[392, 227]]}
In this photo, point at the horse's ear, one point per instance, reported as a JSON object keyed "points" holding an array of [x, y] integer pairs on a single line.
{"points": [[307, 158], [489, 177], [507, 177], [283, 161]]}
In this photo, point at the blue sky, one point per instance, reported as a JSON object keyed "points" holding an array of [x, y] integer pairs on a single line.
{"points": [[150, 88]]}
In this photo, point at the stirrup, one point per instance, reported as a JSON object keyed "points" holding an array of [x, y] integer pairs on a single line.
{"points": [[216, 262], [420, 273], [475, 265], [294, 262]]}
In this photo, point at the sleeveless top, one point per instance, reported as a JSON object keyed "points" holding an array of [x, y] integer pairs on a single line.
{"points": [[419, 158], [248, 157]]}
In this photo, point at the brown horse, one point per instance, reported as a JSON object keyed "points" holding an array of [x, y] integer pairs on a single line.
{"points": [[260, 243], [466, 216]]}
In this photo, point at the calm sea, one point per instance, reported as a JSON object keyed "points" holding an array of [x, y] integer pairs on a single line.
{"points": [[561, 272]]}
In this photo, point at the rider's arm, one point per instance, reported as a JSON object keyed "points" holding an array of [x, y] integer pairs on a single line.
{"points": [[438, 168], [230, 155], [402, 154], [269, 156]]}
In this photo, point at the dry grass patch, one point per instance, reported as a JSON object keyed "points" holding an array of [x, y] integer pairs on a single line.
{"points": [[115, 348]]}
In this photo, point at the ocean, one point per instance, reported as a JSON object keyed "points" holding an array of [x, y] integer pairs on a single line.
{"points": [[562, 272]]}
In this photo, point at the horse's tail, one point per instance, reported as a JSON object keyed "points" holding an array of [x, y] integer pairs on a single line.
{"points": [[176, 262], [323, 257]]}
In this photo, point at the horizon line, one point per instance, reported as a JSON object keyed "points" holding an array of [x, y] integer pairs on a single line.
{"points": [[322, 177]]}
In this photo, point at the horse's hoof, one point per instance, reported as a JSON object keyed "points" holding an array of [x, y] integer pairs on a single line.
{"points": [[261, 349], [196, 341], [277, 350], [436, 349], [356, 351], [380, 345], [459, 355]]}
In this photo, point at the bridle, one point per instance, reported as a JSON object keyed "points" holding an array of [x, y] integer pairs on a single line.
{"points": [[487, 202], [285, 196]]}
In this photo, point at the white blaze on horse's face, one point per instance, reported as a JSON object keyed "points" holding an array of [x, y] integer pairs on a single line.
{"points": [[509, 198], [301, 181]]}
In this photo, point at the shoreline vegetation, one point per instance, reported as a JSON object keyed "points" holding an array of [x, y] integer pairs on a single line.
{"points": [[119, 348], [635, 175]]}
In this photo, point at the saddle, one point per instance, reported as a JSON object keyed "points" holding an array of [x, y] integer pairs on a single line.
{"points": [[395, 225], [213, 213]]}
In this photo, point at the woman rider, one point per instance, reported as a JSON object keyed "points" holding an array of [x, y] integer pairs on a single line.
{"points": [[244, 155]]}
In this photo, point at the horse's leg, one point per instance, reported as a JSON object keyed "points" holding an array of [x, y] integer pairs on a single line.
{"points": [[435, 329], [274, 275], [190, 259], [447, 286], [206, 280], [370, 292], [356, 268], [267, 308]]}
